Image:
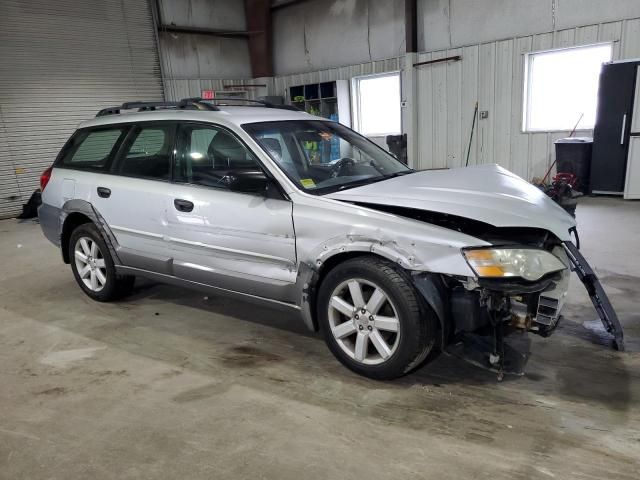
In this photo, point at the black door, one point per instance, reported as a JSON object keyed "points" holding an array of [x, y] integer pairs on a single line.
{"points": [[613, 123]]}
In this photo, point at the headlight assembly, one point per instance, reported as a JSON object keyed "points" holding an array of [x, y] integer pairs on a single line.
{"points": [[528, 263]]}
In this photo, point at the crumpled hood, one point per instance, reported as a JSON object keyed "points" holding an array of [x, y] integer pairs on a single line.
{"points": [[487, 193]]}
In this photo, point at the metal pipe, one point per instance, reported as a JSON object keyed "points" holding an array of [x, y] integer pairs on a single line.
{"points": [[205, 31], [439, 60]]}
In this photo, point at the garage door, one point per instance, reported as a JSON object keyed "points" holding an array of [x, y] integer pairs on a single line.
{"points": [[60, 62]]}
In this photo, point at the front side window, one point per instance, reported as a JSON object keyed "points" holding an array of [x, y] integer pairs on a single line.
{"points": [[208, 155], [323, 156], [147, 153], [91, 149], [561, 88]]}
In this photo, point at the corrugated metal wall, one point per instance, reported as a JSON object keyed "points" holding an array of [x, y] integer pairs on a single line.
{"points": [[177, 89], [492, 73], [60, 62], [282, 83]]}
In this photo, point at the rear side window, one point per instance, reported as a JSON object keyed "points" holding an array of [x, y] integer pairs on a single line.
{"points": [[91, 149], [147, 152]]}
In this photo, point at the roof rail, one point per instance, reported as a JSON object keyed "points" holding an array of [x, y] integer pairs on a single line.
{"points": [[246, 100], [184, 104]]}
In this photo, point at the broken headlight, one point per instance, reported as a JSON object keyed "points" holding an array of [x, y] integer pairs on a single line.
{"points": [[528, 263]]}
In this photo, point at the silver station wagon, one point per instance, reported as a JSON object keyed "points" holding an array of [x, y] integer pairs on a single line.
{"points": [[277, 206]]}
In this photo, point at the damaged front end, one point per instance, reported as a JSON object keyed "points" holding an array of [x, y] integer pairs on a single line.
{"points": [[495, 307], [520, 285]]}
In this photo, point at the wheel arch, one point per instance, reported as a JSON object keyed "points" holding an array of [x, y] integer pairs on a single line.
{"points": [[429, 286], [310, 277], [71, 222], [78, 212]]}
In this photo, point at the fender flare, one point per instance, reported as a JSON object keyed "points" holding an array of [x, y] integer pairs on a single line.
{"points": [[429, 285], [88, 210], [309, 269]]}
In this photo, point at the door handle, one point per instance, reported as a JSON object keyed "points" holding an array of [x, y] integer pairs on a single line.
{"points": [[183, 205], [104, 192], [624, 127]]}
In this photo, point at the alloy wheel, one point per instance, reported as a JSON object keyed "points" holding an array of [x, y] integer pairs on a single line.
{"points": [[364, 322], [90, 264]]}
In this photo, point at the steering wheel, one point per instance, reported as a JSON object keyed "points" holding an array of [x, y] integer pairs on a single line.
{"points": [[338, 167]]}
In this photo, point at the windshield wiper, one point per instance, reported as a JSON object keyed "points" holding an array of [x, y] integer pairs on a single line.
{"points": [[367, 181]]}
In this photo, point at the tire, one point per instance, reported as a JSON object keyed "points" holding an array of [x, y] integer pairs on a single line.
{"points": [[93, 266], [344, 326]]}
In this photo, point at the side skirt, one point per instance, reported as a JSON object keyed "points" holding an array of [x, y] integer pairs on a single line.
{"points": [[180, 282]]}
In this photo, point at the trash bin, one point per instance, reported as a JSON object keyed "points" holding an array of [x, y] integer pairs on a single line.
{"points": [[573, 155], [398, 146]]}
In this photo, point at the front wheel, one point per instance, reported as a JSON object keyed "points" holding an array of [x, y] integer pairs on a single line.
{"points": [[93, 266], [372, 318]]}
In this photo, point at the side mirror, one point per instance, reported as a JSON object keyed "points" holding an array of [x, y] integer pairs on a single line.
{"points": [[247, 181]]}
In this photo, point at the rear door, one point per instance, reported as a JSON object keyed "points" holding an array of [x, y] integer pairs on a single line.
{"points": [[238, 241], [132, 198]]}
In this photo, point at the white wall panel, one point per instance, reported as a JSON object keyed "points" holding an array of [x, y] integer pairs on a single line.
{"points": [[439, 84], [631, 30], [486, 97], [519, 143], [282, 83], [493, 74], [446, 24], [454, 110], [468, 98], [426, 113]]}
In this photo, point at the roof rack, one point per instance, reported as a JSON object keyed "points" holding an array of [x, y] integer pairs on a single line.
{"points": [[195, 103], [184, 104], [261, 103]]}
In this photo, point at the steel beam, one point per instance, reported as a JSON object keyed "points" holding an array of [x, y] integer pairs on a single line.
{"points": [[411, 25], [258, 15]]}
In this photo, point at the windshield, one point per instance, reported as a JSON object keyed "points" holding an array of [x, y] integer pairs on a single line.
{"points": [[324, 156]]}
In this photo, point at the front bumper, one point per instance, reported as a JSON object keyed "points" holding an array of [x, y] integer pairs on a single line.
{"points": [[597, 294]]}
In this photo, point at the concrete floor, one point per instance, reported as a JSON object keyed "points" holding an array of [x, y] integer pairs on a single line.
{"points": [[168, 384]]}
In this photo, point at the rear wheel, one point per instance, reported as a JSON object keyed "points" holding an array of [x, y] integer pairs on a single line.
{"points": [[372, 318], [93, 266]]}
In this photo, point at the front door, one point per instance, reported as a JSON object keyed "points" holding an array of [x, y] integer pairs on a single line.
{"points": [[243, 242]]}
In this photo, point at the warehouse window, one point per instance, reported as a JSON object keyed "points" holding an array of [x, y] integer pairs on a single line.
{"points": [[376, 104], [561, 87]]}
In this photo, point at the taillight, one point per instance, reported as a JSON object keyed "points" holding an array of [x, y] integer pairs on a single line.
{"points": [[45, 177]]}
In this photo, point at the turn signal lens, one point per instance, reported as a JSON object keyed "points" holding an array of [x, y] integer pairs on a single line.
{"points": [[530, 264]]}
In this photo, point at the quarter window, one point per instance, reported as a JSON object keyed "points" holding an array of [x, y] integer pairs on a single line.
{"points": [[206, 155], [91, 149], [148, 152]]}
